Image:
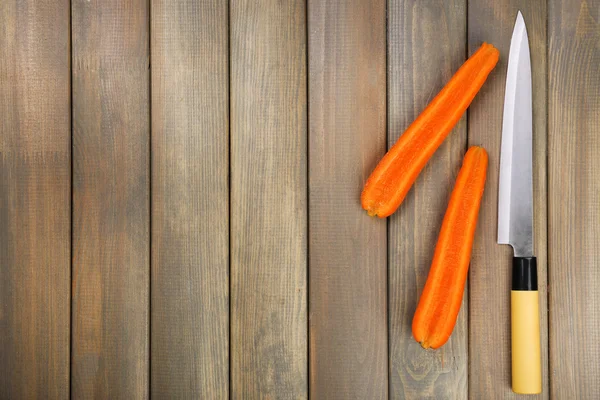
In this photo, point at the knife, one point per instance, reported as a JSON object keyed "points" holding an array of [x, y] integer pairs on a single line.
{"points": [[515, 214]]}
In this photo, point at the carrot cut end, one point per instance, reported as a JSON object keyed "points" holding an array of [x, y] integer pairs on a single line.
{"points": [[372, 213]]}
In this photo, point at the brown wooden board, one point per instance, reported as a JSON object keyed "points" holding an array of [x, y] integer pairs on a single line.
{"points": [[574, 198], [190, 199], [35, 199], [426, 46], [491, 263], [347, 137], [111, 268], [268, 199]]}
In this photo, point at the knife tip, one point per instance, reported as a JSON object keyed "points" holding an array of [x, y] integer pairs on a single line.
{"points": [[519, 30]]}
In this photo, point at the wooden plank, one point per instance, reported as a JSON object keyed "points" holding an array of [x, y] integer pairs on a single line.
{"points": [[574, 204], [268, 199], [111, 265], [190, 199], [426, 46], [348, 263], [35, 199], [490, 272]]}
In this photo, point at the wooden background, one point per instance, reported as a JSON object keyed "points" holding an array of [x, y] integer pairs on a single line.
{"points": [[179, 198]]}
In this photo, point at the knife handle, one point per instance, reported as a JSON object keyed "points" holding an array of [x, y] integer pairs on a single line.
{"points": [[525, 328]]}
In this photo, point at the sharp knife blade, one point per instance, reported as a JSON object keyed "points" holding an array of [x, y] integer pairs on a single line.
{"points": [[515, 201]]}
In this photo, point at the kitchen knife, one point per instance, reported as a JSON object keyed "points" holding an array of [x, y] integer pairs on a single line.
{"points": [[515, 214]]}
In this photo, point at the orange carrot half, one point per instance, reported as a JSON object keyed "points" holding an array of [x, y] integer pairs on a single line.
{"points": [[398, 169], [440, 302]]}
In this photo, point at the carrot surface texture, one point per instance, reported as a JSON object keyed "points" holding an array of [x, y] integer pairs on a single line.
{"points": [[398, 169], [440, 301]]}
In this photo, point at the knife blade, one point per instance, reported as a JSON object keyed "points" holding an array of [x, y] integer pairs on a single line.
{"points": [[515, 203], [515, 213]]}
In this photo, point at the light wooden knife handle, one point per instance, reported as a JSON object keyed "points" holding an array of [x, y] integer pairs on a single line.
{"points": [[525, 327], [525, 332]]}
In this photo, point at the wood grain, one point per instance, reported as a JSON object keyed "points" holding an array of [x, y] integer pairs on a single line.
{"points": [[190, 200], [268, 200], [348, 263], [111, 265], [426, 46], [490, 272], [574, 201], [35, 175]]}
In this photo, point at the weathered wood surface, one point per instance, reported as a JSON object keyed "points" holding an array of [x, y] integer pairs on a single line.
{"points": [[347, 248], [35, 199], [426, 46], [268, 200], [574, 198], [190, 199], [111, 216]]}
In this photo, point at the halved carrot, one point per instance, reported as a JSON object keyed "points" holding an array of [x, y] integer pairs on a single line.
{"points": [[398, 169], [440, 302]]}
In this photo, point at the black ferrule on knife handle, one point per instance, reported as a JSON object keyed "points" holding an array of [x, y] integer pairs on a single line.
{"points": [[524, 276]]}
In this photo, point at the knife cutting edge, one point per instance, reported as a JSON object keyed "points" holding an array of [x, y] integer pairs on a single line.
{"points": [[515, 214]]}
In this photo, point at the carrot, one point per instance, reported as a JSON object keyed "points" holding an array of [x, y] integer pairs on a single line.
{"points": [[398, 169], [438, 307]]}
